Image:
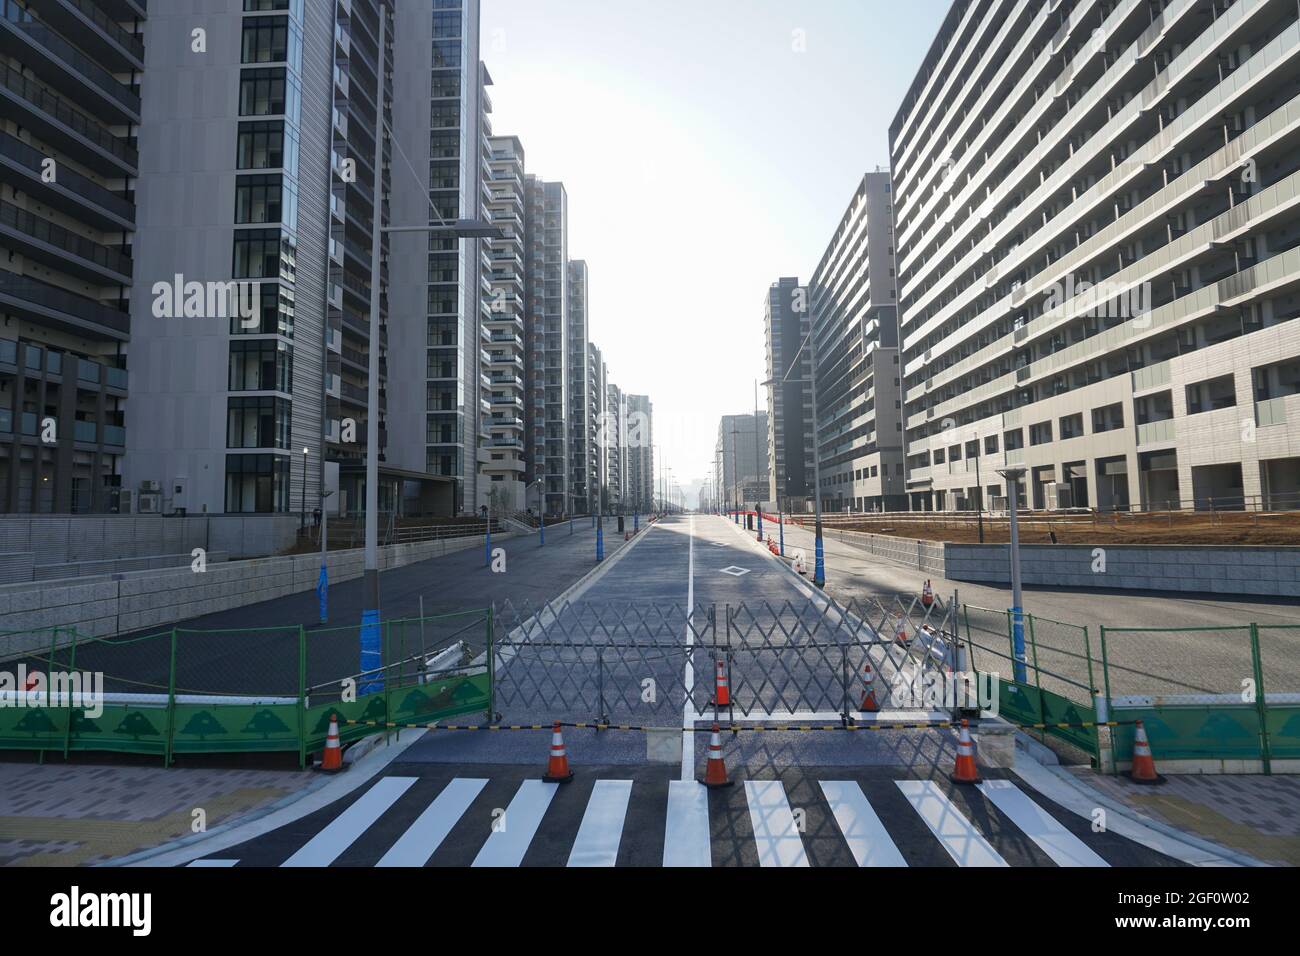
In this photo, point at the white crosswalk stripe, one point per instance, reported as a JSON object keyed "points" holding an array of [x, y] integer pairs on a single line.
{"points": [[775, 832], [775, 839], [328, 845], [423, 837], [602, 824], [686, 831], [1056, 841], [868, 840], [512, 833], [958, 836]]}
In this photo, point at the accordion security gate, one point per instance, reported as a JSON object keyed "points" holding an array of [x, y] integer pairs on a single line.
{"points": [[634, 663]]}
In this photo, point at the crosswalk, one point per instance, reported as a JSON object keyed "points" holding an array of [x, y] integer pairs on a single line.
{"points": [[412, 821]]}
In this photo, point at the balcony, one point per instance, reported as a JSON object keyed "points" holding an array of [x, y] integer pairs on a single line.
{"points": [[42, 302], [57, 247], [64, 67], [94, 32], [71, 193], [57, 123]]}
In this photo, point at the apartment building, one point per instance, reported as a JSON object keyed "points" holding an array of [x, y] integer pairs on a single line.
{"points": [[854, 302], [441, 391], [581, 424], [70, 114], [787, 320], [546, 338], [505, 324], [638, 464], [239, 133], [614, 446], [741, 455], [1098, 251]]}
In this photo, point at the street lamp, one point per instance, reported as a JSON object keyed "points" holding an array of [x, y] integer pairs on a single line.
{"points": [[323, 583], [371, 640], [302, 524], [1013, 476]]}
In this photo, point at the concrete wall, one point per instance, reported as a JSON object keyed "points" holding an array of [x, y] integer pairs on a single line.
{"points": [[1263, 571], [144, 600]]}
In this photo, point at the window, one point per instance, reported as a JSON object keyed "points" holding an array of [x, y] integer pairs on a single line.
{"points": [[1040, 433], [275, 313], [261, 366], [257, 484], [1014, 439], [258, 199], [1108, 418], [258, 255], [268, 92], [266, 39], [1211, 395], [1071, 426], [991, 445], [265, 144], [257, 423]]}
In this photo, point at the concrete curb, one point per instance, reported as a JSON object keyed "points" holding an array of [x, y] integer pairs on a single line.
{"points": [[1059, 785], [321, 792]]}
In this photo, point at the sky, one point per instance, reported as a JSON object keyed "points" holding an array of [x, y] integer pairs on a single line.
{"points": [[708, 148]]}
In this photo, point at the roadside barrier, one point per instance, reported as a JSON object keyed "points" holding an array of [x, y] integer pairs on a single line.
{"points": [[557, 767], [727, 728]]}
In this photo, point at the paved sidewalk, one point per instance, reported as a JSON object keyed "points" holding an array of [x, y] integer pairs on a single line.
{"points": [[61, 815], [1253, 814]]}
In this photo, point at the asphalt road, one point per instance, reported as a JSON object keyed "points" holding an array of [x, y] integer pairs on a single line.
{"points": [[1209, 654], [423, 814]]}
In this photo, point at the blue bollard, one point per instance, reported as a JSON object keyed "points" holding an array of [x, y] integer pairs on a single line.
{"points": [[487, 547], [600, 544], [636, 522], [782, 528], [760, 524], [819, 569]]}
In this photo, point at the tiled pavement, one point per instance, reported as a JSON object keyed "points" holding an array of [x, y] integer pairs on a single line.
{"points": [[1253, 814], [60, 815]]}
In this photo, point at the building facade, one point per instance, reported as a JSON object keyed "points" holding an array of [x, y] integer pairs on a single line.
{"points": [[786, 322], [70, 159], [546, 337], [853, 301], [1097, 255], [638, 462], [580, 421], [741, 454]]}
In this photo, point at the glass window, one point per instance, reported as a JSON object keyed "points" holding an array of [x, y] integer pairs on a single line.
{"points": [[261, 145], [258, 199], [256, 483], [262, 92], [257, 422], [261, 365], [266, 39]]}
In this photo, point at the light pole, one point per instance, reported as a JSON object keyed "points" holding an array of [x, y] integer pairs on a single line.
{"points": [[758, 507], [1013, 476], [323, 583], [302, 525], [371, 639], [819, 567]]}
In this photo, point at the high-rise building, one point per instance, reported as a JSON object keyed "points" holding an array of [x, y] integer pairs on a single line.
{"points": [[741, 453], [615, 449], [505, 324], [580, 422], [70, 74], [786, 321], [546, 337], [1097, 257], [639, 466], [855, 330], [242, 126], [440, 391]]}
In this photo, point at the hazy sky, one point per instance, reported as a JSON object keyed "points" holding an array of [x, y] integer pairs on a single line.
{"points": [[708, 147]]}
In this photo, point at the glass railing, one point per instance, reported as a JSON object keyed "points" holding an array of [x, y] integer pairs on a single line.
{"points": [[47, 232], [85, 431], [51, 297], [6, 421], [65, 51], [32, 159], [56, 107], [115, 435], [125, 39]]}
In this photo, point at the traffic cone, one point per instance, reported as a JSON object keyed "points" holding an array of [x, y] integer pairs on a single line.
{"points": [[715, 771], [900, 632], [927, 594], [722, 687], [869, 704], [1144, 765], [965, 771], [557, 768], [331, 761]]}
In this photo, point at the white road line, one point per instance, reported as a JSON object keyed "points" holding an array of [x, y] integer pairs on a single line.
{"points": [[775, 833], [1052, 838], [328, 845], [958, 836], [686, 828], [506, 847], [688, 707], [602, 824], [213, 863], [425, 835], [868, 840]]}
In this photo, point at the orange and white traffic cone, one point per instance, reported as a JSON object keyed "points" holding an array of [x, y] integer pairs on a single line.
{"points": [[1144, 765], [965, 771], [715, 771], [557, 768], [927, 594], [722, 687], [331, 761], [869, 704], [900, 632]]}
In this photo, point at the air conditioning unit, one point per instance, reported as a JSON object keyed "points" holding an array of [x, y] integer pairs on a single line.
{"points": [[150, 487], [124, 501], [149, 504]]}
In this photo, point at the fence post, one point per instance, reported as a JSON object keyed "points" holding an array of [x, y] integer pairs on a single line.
{"points": [[491, 665], [171, 703], [72, 669], [302, 697], [1261, 706], [1110, 712], [600, 687]]}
